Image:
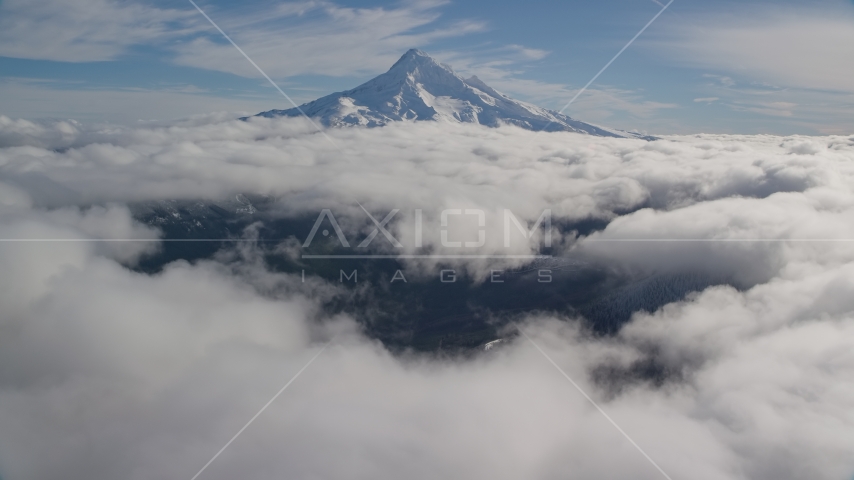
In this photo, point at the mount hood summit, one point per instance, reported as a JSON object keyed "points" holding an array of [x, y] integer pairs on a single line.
{"points": [[418, 88]]}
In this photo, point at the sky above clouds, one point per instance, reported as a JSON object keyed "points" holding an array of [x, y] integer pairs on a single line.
{"points": [[717, 67]]}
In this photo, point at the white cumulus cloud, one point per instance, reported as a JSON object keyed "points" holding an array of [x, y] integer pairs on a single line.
{"points": [[110, 373]]}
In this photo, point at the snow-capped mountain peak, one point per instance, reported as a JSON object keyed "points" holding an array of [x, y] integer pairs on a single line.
{"points": [[418, 88], [416, 62]]}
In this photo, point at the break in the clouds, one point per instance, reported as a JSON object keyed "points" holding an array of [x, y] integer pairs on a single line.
{"points": [[153, 377]]}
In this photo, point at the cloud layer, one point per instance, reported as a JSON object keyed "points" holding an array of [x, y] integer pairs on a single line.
{"points": [[109, 373]]}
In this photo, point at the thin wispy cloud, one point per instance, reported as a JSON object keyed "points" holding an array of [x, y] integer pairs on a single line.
{"points": [[86, 30], [796, 47], [796, 55], [322, 38]]}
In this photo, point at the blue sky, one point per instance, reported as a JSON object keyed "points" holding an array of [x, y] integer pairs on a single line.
{"points": [[779, 67]]}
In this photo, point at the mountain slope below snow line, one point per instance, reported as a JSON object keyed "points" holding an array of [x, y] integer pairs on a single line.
{"points": [[417, 87]]}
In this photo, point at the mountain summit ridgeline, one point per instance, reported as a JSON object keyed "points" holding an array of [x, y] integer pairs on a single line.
{"points": [[417, 87]]}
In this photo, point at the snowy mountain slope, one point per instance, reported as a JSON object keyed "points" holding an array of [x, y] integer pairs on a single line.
{"points": [[417, 87]]}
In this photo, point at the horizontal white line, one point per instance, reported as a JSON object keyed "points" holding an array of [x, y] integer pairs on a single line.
{"points": [[268, 240], [134, 240], [718, 240], [394, 257]]}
